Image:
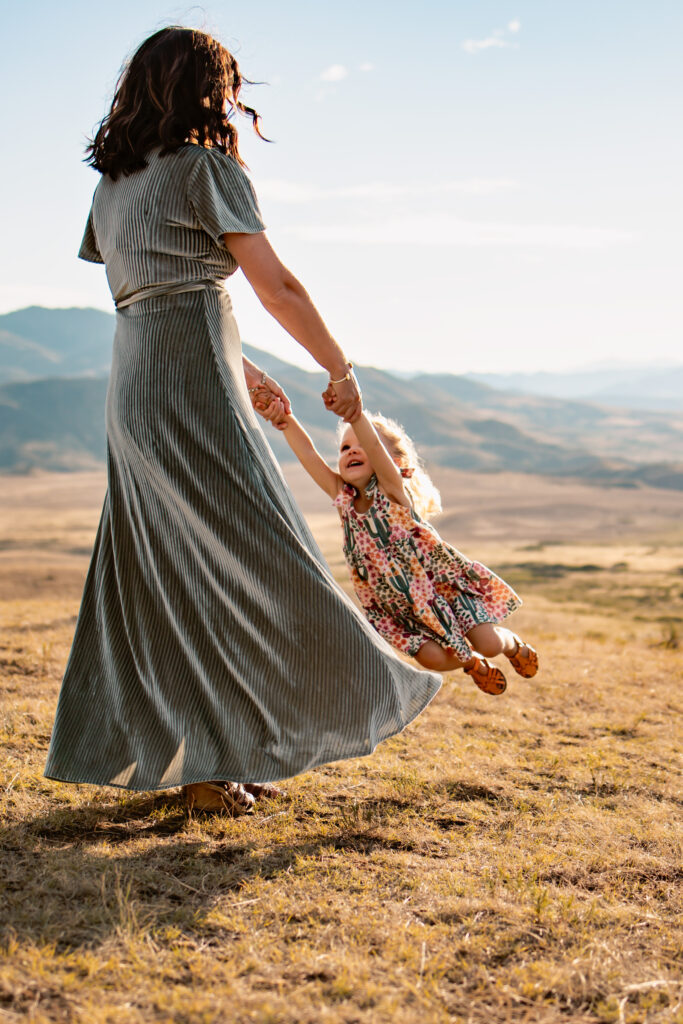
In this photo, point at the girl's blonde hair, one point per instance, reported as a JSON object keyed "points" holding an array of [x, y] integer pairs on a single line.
{"points": [[422, 492]]}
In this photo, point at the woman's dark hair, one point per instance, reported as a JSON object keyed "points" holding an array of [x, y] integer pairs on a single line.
{"points": [[172, 91]]}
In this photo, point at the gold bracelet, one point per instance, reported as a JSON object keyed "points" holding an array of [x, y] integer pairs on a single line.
{"points": [[260, 385], [341, 380]]}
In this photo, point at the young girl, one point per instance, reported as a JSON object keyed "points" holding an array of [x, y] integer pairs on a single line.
{"points": [[424, 597]]}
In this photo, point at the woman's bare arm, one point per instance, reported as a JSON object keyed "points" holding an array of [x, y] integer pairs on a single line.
{"points": [[285, 298]]}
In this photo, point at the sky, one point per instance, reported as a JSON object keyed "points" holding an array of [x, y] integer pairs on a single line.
{"points": [[470, 185]]}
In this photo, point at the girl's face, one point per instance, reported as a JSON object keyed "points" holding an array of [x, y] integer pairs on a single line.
{"points": [[354, 465]]}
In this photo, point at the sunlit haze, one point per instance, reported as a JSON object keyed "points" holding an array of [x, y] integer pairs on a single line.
{"points": [[461, 186]]}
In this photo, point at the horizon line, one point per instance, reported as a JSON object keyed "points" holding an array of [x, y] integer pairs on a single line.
{"points": [[601, 366]]}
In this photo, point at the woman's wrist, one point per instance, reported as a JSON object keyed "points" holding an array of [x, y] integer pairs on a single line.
{"points": [[252, 373], [340, 373], [258, 383]]}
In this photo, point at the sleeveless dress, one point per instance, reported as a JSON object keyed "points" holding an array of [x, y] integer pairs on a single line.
{"points": [[413, 586], [212, 640]]}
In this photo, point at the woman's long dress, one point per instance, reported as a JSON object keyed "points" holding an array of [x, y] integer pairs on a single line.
{"points": [[212, 640]]}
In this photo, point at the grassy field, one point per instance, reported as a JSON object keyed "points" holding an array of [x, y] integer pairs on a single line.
{"points": [[506, 859]]}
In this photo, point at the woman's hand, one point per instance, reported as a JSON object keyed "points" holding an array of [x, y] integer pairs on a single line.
{"points": [[266, 395], [270, 385], [271, 409], [344, 399], [271, 402]]}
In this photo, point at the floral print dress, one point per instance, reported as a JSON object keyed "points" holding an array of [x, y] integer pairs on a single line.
{"points": [[413, 586]]}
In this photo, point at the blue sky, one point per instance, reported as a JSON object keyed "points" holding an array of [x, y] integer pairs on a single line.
{"points": [[459, 185]]}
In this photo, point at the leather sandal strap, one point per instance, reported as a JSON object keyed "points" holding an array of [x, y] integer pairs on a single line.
{"points": [[519, 644]]}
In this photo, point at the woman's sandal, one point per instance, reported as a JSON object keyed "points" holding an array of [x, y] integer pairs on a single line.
{"points": [[486, 675], [263, 790], [524, 660], [229, 798]]}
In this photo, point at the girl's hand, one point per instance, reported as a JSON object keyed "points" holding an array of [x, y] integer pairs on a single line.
{"points": [[270, 401], [271, 409], [274, 388], [344, 399]]}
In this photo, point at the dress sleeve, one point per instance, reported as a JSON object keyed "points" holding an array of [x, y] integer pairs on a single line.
{"points": [[222, 197], [345, 498], [89, 249]]}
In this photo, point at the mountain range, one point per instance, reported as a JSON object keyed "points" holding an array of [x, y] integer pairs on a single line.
{"points": [[656, 388], [53, 366], [36, 342]]}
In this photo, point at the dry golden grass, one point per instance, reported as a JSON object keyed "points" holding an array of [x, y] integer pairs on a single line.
{"points": [[505, 859]]}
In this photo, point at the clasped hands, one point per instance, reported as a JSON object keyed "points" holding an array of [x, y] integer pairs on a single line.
{"points": [[270, 401]]}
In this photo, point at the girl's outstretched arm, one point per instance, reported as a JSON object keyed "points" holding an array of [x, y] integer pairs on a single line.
{"points": [[310, 458], [387, 472]]}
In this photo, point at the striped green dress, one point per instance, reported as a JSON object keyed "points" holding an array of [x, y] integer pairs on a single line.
{"points": [[212, 640]]}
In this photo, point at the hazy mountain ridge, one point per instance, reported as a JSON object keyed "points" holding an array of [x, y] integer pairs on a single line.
{"points": [[36, 342], [633, 435], [657, 389], [58, 423], [52, 424]]}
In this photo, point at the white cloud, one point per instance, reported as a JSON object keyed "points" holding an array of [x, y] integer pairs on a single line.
{"points": [[277, 190], [445, 231], [366, 66], [495, 41], [335, 73], [475, 45]]}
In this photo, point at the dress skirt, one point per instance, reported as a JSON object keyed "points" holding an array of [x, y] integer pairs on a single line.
{"points": [[212, 640]]}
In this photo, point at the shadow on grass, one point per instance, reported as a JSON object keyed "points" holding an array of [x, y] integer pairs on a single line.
{"points": [[77, 876], [68, 880], [117, 821]]}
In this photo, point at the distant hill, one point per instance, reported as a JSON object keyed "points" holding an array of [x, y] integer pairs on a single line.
{"points": [[633, 388], [38, 342], [52, 424], [58, 423]]}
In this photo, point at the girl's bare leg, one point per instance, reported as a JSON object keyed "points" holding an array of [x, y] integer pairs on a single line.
{"points": [[491, 640], [488, 677], [434, 657]]}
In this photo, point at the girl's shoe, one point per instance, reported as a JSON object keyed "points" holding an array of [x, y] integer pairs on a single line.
{"points": [[486, 675], [218, 797], [524, 660]]}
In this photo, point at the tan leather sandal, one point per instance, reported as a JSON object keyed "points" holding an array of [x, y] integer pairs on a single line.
{"points": [[486, 675], [524, 660], [263, 790], [218, 798]]}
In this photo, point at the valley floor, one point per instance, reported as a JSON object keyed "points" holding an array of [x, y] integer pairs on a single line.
{"points": [[509, 859]]}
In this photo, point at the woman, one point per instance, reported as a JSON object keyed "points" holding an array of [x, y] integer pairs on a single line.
{"points": [[212, 642]]}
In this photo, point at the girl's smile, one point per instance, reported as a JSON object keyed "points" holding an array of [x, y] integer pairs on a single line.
{"points": [[354, 466]]}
